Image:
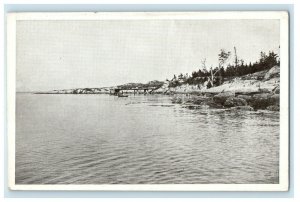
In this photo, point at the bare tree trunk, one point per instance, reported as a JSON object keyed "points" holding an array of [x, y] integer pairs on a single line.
{"points": [[212, 76], [235, 57]]}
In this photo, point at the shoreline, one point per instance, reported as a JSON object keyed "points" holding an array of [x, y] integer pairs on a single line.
{"points": [[251, 92]]}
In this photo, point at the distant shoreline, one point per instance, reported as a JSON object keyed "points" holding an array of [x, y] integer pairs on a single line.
{"points": [[251, 92]]}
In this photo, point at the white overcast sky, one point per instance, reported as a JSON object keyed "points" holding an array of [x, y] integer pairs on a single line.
{"points": [[75, 54]]}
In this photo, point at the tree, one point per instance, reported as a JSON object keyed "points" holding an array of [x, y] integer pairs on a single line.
{"points": [[194, 74], [213, 72], [235, 57], [203, 63], [267, 61], [263, 57], [174, 78], [221, 75], [223, 57], [180, 76], [271, 59], [239, 68]]}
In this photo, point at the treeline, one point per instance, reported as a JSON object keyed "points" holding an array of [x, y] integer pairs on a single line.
{"points": [[151, 84], [216, 76]]}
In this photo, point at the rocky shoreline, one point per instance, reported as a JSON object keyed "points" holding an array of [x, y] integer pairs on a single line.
{"points": [[259, 91], [230, 100]]}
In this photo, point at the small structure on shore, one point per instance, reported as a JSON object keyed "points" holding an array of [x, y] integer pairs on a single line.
{"points": [[115, 91], [135, 90]]}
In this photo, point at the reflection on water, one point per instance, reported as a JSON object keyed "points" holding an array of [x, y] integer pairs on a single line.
{"points": [[102, 139]]}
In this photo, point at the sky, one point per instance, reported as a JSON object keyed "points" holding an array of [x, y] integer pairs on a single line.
{"points": [[77, 54]]}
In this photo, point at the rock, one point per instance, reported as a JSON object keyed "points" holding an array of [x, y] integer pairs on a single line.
{"points": [[209, 94], [176, 100], [198, 101], [264, 90], [275, 99], [276, 90], [262, 96], [243, 108], [234, 101], [189, 101], [273, 108], [261, 101], [213, 104], [245, 97], [273, 72], [222, 97], [77, 91]]}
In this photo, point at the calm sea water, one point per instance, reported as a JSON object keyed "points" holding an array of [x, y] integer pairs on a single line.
{"points": [[102, 139]]}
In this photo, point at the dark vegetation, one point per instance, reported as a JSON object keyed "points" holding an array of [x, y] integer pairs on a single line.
{"points": [[152, 84], [216, 76]]}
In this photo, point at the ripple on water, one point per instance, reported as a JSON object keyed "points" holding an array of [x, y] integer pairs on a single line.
{"points": [[143, 139]]}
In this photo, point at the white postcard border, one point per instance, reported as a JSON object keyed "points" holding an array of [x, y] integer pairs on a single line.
{"points": [[283, 185]]}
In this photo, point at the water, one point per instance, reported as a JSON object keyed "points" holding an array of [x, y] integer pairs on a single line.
{"points": [[102, 139]]}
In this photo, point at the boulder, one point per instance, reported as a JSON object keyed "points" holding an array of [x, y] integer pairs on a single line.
{"points": [[275, 99], [273, 72], [262, 96], [261, 101], [234, 101], [198, 100], [276, 90], [189, 101], [245, 97], [273, 108], [222, 97], [263, 90], [176, 100], [212, 104], [209, 94]]}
